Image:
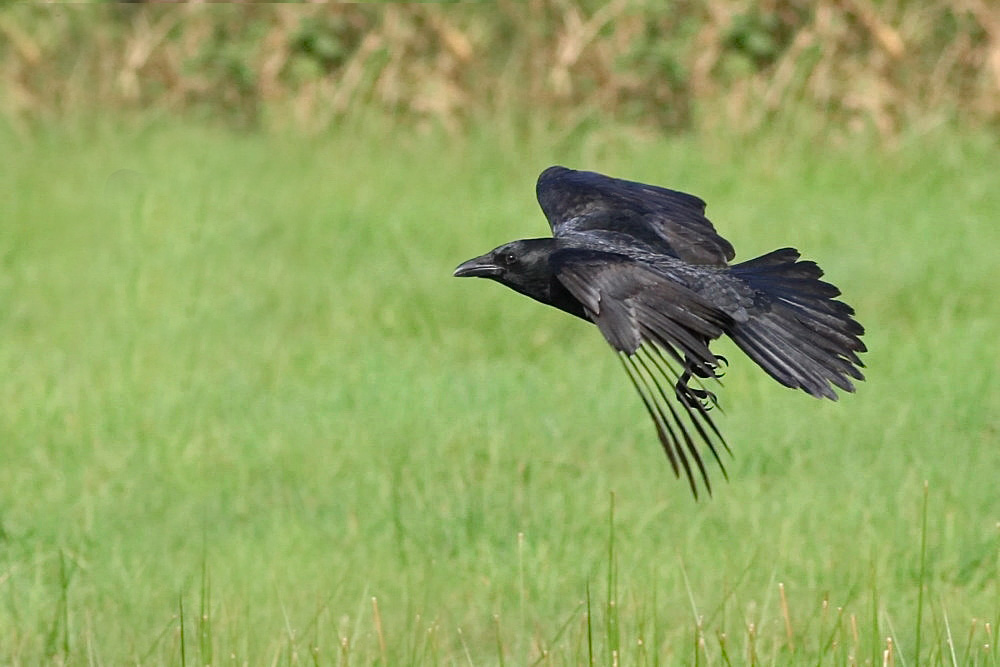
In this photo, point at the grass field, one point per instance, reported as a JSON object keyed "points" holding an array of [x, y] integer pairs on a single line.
{"points": [[248, 417]]}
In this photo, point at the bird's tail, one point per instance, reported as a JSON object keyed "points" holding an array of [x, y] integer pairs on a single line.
{"points": [[797, 331]]}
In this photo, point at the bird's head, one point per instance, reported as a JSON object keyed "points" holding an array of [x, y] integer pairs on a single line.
{"points": [[521, 265]]}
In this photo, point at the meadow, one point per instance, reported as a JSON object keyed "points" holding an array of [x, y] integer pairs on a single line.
{"points": [[248, 416]]}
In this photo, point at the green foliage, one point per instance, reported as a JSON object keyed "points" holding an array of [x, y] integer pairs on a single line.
{"points": [[759, 35], [326, 40], [248, 415]]}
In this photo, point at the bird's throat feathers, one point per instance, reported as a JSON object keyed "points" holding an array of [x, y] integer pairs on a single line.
{"points": [[526, 268]]}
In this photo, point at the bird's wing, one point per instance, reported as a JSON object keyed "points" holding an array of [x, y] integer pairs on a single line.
{"points": [[668, 221], [656, 325]]}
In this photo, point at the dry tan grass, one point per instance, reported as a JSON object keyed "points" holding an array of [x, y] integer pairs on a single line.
{"points": [[855, 62]]}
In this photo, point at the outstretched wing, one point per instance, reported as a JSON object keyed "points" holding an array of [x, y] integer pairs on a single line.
{"points": [[657, 325], [667, 221]]}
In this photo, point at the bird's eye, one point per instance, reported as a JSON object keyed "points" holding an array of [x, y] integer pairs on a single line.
{"points": [[509, 258]]}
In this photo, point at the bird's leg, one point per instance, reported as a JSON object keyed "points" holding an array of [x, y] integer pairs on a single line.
{"points": [[692, 396]]}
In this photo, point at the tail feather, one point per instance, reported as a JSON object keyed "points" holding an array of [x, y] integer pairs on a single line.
{"points": [[797, 331]]}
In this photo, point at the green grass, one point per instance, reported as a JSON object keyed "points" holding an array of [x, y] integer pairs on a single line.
{"points": [[241, 398]]}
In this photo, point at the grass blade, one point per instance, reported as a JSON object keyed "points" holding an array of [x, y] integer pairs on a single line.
{"points": [[922, 577]]}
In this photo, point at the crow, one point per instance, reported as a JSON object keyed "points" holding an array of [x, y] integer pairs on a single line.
{"points": [[647, 267]]}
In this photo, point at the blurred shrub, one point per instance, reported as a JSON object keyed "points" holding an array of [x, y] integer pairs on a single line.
{"points": [[666, 65]]}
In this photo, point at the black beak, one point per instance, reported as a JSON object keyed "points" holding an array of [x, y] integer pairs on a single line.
{"points": [[480, 267]]}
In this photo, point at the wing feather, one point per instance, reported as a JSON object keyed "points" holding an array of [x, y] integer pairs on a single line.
{"points": [[667, 221], [632, 302], [652, 321]]}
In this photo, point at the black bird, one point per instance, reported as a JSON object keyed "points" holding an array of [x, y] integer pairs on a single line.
{"points": [[647, 267]]}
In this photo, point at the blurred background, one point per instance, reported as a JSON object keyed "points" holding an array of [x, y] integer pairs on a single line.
{"points": [[247, 416], [861, 65]]}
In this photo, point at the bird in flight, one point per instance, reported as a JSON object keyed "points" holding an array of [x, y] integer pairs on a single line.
{"points": [[647, 267]]}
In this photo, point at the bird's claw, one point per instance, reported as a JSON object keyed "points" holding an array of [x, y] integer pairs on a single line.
{"points": [[693, 397]]}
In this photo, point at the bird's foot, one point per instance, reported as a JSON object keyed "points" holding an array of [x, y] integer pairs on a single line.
{"points": [[695, 398], [704, 370], [720, 363]]}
